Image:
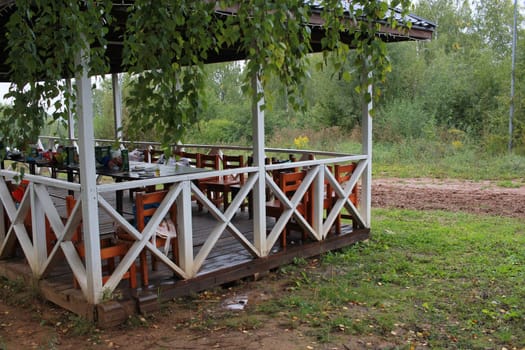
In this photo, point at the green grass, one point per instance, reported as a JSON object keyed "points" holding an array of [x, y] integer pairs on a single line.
{"points": [[433, 159], [511, 184], [435, 278], [437, 159]]}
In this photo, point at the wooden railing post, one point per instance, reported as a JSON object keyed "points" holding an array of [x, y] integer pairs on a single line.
{"points": [[317, 202], [88, 193], [185, 234], [259, 196], [117, 106], [38, 231], [366, 122]]}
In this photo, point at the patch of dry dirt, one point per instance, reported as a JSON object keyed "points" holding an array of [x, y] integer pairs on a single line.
{"points": [[483, 197], [42, 326]]}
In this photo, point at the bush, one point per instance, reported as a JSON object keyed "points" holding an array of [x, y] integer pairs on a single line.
{"points": [[215, 131], [403, 120]]}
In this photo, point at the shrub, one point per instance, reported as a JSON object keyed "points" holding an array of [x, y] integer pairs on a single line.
{"points": [[401, 120]]}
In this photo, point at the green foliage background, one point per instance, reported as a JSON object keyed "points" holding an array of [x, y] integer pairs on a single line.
{"points": [[451, 92], [445, 101]]}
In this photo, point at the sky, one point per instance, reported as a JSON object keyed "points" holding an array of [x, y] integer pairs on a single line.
{"points": [[4, 88]]}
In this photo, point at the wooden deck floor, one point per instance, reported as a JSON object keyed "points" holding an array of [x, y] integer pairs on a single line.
{"points": [[228, 261]]}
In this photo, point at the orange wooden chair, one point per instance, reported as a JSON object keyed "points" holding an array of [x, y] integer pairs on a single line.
{"points": [[145, 206], [109, 251], [235, 162], [193, 161], [343, 173], [17, 193], [291, 159], [211, 162], [267, 161], [219, 188], [289, 183], [192, 157]]}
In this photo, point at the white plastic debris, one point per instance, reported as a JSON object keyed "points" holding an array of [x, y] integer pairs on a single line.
{"points": [[236, 303]]}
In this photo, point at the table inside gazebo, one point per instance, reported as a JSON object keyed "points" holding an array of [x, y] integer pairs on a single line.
{"points": [[135, 171], [142, 170]]}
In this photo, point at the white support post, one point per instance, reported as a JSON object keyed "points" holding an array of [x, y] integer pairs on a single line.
{"points": [[185, 228], [38, 232], [117, 105], [259, 196], [318, 202], [88, 192], [366, 183], [3, 223]]}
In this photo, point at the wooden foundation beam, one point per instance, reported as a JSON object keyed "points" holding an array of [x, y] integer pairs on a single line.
{"points": [[60, 291], [261, 265]]}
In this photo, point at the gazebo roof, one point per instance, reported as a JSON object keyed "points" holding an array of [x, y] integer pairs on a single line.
{"points": [[421, 29]]}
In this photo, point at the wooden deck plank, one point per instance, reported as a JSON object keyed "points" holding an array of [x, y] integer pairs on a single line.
{"points": [[255, 266]]}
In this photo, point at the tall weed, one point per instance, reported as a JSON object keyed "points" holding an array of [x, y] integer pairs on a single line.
{"points": [[326, 139], [420, 158]]}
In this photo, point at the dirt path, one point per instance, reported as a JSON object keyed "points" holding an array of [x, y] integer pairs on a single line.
{"points": [[42, 326], [483, 197]]}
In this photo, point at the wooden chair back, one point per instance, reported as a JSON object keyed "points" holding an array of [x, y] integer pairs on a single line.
{"points": [[70, 205], [289, 183], [343, 173], [209, 161], [212, 162], [145, 206], [249, 161], [146, 203], [291, 159], [192, 157], [234, 162], [109, 251]]}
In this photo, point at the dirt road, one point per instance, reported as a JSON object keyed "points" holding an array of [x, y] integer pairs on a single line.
{"points": [[483, 197]]}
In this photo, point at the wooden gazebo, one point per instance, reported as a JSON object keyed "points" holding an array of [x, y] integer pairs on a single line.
{"points": [[26, 252]]}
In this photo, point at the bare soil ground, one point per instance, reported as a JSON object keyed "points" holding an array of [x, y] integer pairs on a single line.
{"points": [[483, 197], [37, 325]]}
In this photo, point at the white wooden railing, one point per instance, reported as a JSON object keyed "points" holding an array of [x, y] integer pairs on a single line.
{"points": [[38, 200]]}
